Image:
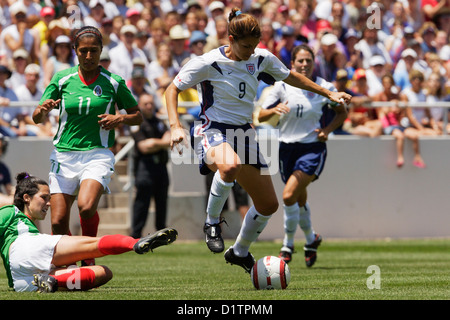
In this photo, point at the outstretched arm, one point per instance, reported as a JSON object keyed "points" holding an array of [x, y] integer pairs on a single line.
{"points": [[300, 81]]}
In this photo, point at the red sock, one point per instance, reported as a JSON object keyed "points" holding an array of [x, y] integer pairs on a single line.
{"points": [[89, 226], [77, 279], [116, 244]]}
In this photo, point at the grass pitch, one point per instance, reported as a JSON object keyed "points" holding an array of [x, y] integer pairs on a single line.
{"points": [[408, 270]]}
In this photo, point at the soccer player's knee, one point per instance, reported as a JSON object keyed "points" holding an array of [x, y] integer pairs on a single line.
{"points": [[231, 171]]}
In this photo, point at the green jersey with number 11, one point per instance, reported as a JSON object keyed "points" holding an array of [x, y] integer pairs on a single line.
{"points": [[81, 104]]}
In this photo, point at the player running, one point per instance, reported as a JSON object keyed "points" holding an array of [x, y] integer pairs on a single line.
{"points": [[304, 129], [227, 79], [81, 163]]}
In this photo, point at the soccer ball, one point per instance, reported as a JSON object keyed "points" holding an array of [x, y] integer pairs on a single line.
{"points": [[270, 273]]}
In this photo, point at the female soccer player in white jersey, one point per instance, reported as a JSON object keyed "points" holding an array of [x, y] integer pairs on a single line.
{"points": [[227, 79], [81, 163], [38, 262], [304, 124]]}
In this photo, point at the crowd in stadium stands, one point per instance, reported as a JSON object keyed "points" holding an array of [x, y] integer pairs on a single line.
{"points": [[356, 43]]}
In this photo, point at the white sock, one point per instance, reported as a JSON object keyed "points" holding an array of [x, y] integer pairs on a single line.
{"points": [[253, 224], [291, 221], [305, 223], [218, 194]]}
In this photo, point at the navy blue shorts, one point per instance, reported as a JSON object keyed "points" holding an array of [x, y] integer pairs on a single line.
{"points": [[242, 139], [306, 157]]}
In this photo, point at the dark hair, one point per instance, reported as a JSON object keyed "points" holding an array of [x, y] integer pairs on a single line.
{"points": [[87, 31], [302, 47], [242, 25], [26, 184]]}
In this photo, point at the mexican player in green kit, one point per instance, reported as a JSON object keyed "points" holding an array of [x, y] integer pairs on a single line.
{"points": [[82, 164]]}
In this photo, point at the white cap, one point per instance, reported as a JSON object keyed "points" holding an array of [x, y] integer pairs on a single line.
{"points": [[376, 60], [328, 39], [128, 28], [94, 3], [17, 7], [409, 53], [62, 39], [32, 68], [178, 32], [216, 5]]}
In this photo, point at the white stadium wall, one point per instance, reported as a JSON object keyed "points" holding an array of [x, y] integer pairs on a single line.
{"points": [[360, 194]]}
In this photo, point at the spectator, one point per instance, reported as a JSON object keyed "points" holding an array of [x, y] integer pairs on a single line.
{"points": [[161, 71], [361, 120], [197, 43], [268, 40], [191, 22], [105, 59], [139, 85], [30, 92], [286, 44], [97, 13], [374, 74], [216, 9], [60, 60], [220, 38], [434, 91], [178, 37], [123, 54], [152, 178], [56, 28], [419, 117], [9, 125], [370, 46], [133, 15], [353, 55], [20, 60], [433, 8], [18, 35], [172, 19], [7, 190], [326, 62], [391, 118], [428, 33], [401, 72], [157, 32], [47, 15], [106, 30], [305, 9]]}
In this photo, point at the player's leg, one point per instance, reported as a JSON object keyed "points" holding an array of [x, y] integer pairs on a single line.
{"points": [[88, 198], [75, 278], [261, 191], [225, 162], [60, 212]]}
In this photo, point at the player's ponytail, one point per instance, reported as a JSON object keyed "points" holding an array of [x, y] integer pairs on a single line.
{"points": [[242, 25], [26, 184]]}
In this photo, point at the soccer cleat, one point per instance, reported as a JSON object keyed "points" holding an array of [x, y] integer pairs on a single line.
{"points": [[152, 241], [45, 283], [245, 262], [311, 250], [87, 262], [286, 254], [213, 237]]}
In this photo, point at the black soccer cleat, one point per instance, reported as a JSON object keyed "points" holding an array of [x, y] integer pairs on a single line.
{"points": [[152, 241], [45, 283], [245, 262], [311, 251], [213, 237], [286, 254]]}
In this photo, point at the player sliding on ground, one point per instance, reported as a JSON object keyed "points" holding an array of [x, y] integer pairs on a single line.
{"points": [[37, 262]]}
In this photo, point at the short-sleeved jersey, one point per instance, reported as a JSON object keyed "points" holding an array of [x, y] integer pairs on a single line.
{"points": [[306, 110], [12, 224], [80, 106], [227, 88]]}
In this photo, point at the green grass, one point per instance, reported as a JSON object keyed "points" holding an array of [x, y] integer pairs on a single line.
{"points": [[410, 270]]}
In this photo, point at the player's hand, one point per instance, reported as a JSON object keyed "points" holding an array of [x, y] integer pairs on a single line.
{"points": [[340, 97], [281, 109], [322, 136], [177, 139], [109, 121], [48, 105]]}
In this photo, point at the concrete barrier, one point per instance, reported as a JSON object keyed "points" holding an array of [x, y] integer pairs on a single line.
{"points": [[360, 194]]}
